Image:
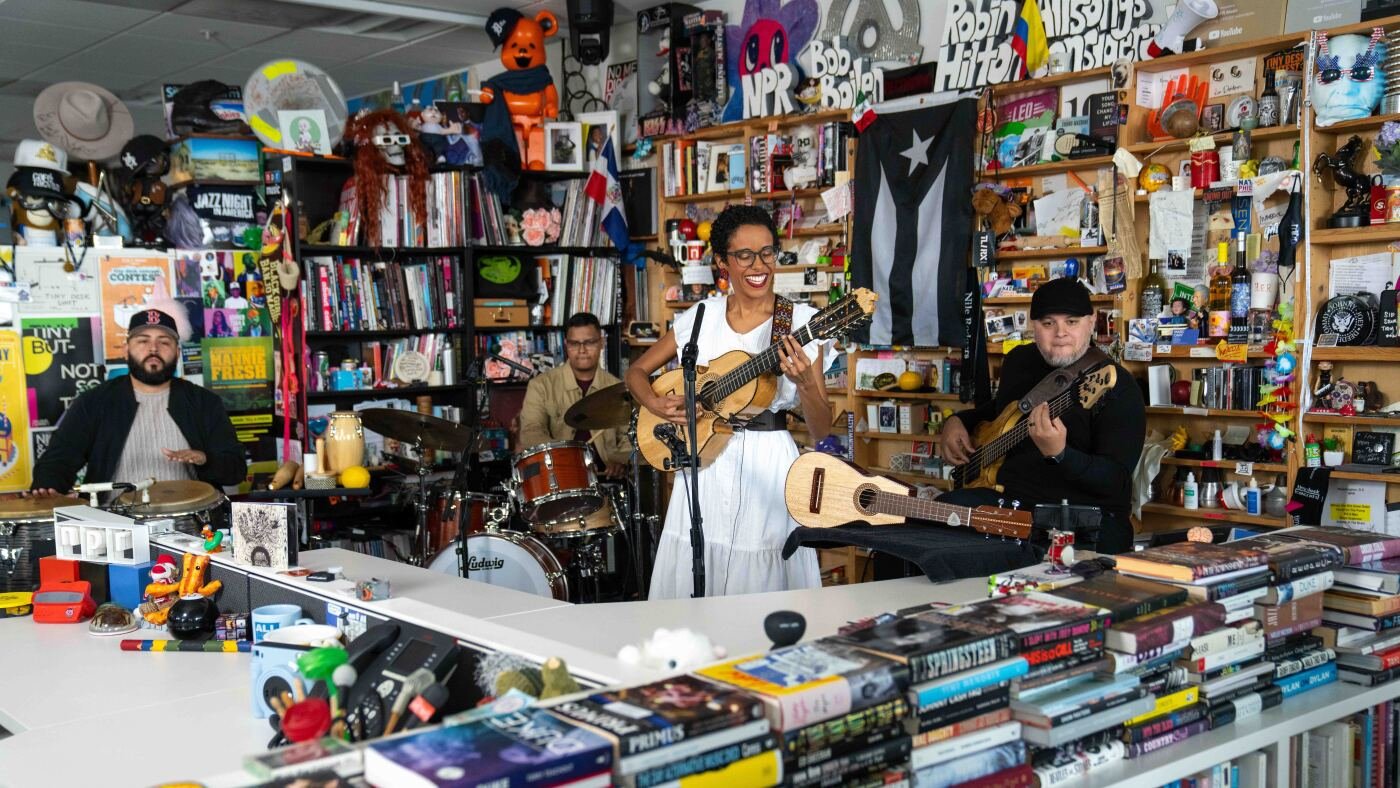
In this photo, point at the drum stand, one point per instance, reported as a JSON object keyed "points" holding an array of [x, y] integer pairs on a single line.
{"points": [[420, 555]]}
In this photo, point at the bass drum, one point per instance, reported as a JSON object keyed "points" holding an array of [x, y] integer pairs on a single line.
{"points": [[508, 559]]}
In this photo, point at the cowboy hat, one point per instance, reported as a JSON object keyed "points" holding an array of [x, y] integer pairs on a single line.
{"points": [[84, 119]]}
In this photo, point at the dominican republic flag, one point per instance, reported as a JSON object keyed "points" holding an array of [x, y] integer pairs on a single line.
{"points": [[913, 223], [604, 188]]}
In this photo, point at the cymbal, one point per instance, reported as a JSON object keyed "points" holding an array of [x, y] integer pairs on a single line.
{"points": [[412, 427], [604, 409]]}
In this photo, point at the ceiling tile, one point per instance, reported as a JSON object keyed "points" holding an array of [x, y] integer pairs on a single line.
{"points": [[228, 76], [107, 17], [151, 57], [34, 56], [416, 57], [231, 36], [84, 72], [322, 49], [460, 38], [73, 39]]}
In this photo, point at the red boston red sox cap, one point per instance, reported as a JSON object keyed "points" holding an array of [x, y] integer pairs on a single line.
{"points": [[153, 318]]}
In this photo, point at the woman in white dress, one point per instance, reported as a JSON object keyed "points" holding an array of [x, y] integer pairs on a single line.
{"points": [[741, 491]]}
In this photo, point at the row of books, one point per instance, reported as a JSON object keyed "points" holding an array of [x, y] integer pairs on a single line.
{"points": [[578, 223], [700, 167], [1228, 387], [581, 284], [445, 225], [353, 294]]}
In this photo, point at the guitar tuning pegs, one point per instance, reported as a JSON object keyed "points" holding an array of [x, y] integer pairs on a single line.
{"points": [[1015, 504], [1001, 502]]}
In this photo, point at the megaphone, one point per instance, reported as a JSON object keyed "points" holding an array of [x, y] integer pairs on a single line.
{"points": [[1187, 15]]}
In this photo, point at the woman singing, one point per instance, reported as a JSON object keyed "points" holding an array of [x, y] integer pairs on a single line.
{"points": [[741, 491]]}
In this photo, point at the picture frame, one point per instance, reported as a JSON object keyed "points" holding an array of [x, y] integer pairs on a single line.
{"points": [[1213, 118], [1372, 448], [563, 146], [597, 128], [304, 131]]}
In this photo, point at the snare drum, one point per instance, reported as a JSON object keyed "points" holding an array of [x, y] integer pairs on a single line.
{"points": [[26, 535], [509, 559], [191, 504], [599, 521], [456, 511], [555, 481]]}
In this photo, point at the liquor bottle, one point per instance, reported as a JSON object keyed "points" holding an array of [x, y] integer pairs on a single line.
{"points": [[1153, 296], [1220, 293], [1268, 102], [1239, 294]]}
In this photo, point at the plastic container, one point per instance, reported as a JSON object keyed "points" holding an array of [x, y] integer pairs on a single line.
{"points": [[1188, 492]]}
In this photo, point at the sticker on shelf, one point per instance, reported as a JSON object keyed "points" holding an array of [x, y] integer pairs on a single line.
{"points": [[1227, 351], [1202, 352], [1244, 468]]}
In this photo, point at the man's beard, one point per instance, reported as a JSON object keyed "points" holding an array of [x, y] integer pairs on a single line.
{"points": [[1069, 357], [138, 370]]}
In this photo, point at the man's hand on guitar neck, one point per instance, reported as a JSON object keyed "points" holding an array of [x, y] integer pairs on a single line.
{"points": [[956, 444], [1049, 434]]}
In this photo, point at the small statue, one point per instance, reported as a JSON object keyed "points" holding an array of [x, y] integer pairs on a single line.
{"points": [[520, 99], [1357, 210]]}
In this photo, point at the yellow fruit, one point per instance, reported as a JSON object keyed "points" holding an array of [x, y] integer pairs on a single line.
{"points": [[354, 477], [911, 380], [702, 231]]}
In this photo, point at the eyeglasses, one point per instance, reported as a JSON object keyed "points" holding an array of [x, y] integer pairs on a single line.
{"points": [[587, 344], [768, 254], [383, 140], [1329, 75]]}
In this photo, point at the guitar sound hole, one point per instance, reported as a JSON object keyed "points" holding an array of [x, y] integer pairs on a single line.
{"points": [[865, 499]]}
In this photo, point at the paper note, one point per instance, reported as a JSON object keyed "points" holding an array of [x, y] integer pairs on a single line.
{"points": [[1151, 88], [54, 291], [697, 275], [1172, 216], [1058, 213], [1365, 273], [837, 200], [1351, 502]]}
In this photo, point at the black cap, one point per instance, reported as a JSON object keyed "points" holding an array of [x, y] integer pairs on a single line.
{"points": [[1063, 296], [35, 182], [499, 25], [141, 151], [153, 318]]}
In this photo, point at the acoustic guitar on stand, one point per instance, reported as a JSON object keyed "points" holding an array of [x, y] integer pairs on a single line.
{"points": [[736, 385], [996, 438], [824, 491]]}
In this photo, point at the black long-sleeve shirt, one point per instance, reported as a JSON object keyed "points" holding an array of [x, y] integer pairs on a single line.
{"points": [[1101, 449]]}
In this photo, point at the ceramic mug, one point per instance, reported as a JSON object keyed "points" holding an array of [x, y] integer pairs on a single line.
{"points": [[313, 635], [270, 617]]}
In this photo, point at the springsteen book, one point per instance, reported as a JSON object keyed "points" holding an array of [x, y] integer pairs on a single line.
{"points": [[934, 644]]}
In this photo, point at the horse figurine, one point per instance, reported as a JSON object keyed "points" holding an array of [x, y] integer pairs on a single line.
{"points": [[1356, 212]]}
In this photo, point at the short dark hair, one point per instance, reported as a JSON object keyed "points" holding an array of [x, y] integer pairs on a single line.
{"points": [[732, 218], [582, 320]]}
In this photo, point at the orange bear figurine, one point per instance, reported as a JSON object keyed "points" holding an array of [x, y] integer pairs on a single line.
{"points": [[524, 95]]}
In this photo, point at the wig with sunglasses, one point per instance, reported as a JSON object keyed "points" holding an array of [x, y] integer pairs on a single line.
{"points": [[1349, 81], [381, 143]]}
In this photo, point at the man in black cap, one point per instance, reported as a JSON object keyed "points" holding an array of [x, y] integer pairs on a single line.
{"points": [[1087, 458], [145, 424]]}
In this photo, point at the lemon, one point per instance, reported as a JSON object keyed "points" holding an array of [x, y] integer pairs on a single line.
{"points": [[355, 477], [910, 380], [702, 231]]}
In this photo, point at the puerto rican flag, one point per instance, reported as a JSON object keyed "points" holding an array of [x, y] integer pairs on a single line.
{"points": [[603, 188]]}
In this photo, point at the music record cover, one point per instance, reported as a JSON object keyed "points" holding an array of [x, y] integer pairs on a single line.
{"points": [[933, 644], [1291, 556], [666, 712], [264, 534], [1124, 597], [812, 682]]}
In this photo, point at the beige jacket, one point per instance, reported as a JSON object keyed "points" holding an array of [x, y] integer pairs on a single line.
{"points": [[547, 398]]}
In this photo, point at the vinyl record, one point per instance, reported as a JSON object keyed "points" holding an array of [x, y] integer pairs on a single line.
{"points": [[288, 85]]}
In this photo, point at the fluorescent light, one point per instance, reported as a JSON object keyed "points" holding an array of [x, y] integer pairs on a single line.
{"points": [[397, 10]]}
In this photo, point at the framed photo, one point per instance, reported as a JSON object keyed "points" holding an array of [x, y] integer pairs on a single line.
{"points": [[304, 131], [563, 146], [1372, 448], [598, 127], [1213, 117], [264, 534]]}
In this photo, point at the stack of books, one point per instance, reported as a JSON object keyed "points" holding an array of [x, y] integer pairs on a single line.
{"points": [[681, 727], [961, 669], [1361, 611], [836, 711]]}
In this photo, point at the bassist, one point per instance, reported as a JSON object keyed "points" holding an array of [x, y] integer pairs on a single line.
{"points": [[1087, 458]]}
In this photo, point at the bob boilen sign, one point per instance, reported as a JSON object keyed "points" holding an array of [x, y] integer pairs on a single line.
{"points": [[976, 46]]}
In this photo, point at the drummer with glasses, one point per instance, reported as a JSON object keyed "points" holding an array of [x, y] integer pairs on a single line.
{"points": [[146, 424], [550, 395]]}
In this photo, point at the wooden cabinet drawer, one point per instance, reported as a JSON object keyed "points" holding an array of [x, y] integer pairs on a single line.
{"points": [[501, 313]]}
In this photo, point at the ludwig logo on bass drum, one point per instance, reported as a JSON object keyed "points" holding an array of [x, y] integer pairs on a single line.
{"points": [[475, 564]]}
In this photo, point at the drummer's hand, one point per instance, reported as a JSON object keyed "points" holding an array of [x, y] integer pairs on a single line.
{"points": [[615, 470], [669, 408], [191, 456], [40, 492]]}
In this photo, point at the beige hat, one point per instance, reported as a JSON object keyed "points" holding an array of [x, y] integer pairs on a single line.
{"points": [[84, 119]]}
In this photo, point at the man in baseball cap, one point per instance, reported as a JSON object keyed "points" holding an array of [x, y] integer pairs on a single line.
{"points": [[146, 424]]}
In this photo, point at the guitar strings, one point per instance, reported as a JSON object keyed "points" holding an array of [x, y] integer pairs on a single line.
{"points": [[1008, 440]]}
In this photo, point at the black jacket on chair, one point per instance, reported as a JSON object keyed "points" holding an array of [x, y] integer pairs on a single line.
{"points": [[94, 429]]}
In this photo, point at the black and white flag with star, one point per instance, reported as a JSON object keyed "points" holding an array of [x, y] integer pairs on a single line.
{"points": [[913, 222]]}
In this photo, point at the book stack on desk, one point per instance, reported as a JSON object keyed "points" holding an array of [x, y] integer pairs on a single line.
{"points": [[836, 711], [960, 726], [1361, 611]]}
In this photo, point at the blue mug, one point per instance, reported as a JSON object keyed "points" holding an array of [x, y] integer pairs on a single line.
{"points": [[270, 617]]}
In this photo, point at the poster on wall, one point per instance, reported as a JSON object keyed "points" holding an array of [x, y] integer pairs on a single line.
{"points": [[53, 290], [975, 50], [60, 362], [15, 463], [760, 56], [239, 370], [620, 94], [127, 281]]}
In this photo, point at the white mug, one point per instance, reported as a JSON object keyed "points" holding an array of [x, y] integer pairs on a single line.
{"points": [[313, 635], [1263, 290], [272, 617]]}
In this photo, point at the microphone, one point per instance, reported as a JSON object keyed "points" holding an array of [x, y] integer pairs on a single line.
{"points": [[692, 346]]}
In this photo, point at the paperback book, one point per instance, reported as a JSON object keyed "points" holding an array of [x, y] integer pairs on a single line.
{"points": [[1123, 596], [1189, 562], [1036, 618], [1165, 626], [933, 644], [1291, 557]]}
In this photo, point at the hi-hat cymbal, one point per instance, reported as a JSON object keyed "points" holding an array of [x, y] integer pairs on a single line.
{"points": [[412, 427], [602, 410]]}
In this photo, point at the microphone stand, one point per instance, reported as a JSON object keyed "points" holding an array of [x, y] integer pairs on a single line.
{"points": [[697, 531]]}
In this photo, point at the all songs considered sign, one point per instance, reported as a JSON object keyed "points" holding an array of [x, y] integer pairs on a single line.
{"points": [[976, 46], [60, 362]]}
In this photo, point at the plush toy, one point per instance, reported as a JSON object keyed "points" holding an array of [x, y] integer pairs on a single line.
{"points": [[519, 100], [672, 649], [191, 582], [995, 210]]}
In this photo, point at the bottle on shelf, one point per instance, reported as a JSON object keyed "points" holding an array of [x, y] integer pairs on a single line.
{"points": [[1268, 102], [1220, 293], [1217, 447], [1251, 497], [1312, 452], [1152, 298], [1239, 294], [1188, 492]]}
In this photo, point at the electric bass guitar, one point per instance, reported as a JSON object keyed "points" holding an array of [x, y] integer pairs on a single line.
{"points": [[823, 491], [736, 385], [996, 438]]}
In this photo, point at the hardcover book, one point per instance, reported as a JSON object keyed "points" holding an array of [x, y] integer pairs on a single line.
{"points": [[1139, 749], [264, 534], [514, 749], [1036, 618], [1358, 547], [1221, 589], [812, 682], [1382, 576], [1191, 561], [1124, 597], [835, 732], [666, 712], [1277, 618], [933, 644], [1360, 603], [1163, 723], [1291, 556], [1165, 626]]}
